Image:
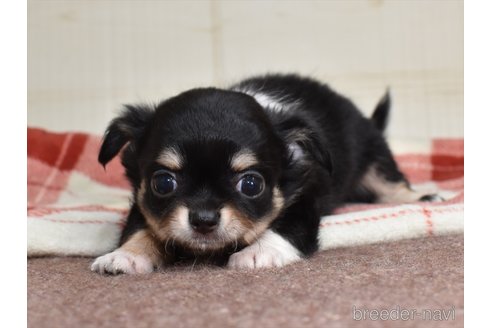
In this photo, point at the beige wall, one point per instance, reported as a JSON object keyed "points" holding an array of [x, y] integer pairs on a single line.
{"points": [[85, 58]]}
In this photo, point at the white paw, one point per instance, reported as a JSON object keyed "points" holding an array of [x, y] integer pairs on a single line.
{"points": [[121, 261], [271, 250]]}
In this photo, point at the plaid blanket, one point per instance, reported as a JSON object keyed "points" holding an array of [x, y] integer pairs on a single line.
{"points": [[75, 207]]}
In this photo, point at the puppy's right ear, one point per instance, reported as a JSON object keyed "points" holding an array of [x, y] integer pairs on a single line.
{"points": [[128, 127]]}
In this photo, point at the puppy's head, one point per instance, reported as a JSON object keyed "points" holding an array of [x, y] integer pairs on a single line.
{"points": [[206, 167]]}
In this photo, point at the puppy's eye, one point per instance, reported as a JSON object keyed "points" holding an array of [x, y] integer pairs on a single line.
{"points": [[251, 185], [163, 183]]}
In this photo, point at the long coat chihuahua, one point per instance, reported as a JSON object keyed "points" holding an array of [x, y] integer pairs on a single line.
{"points": [[245, 173]]}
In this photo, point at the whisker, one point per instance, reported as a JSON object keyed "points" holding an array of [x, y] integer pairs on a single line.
{"points": [[165, 246], [193, 265]]}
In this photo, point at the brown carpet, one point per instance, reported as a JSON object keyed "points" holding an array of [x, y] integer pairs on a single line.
{"points": [[321, 292]]}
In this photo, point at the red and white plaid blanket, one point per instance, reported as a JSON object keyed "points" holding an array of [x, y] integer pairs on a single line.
{"points": [[75, 207]]}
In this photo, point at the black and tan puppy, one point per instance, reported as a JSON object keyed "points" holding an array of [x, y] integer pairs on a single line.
{"points": [[245, 172]]}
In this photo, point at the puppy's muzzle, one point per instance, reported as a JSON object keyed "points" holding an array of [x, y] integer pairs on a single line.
{"points": [[204, 221]]}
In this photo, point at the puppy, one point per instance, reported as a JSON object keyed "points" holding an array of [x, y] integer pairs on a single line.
{"points": [[245, 173]]}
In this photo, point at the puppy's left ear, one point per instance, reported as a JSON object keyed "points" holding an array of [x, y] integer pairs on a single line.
{"points": [[304, 144], [130, 126], [306, 151]]}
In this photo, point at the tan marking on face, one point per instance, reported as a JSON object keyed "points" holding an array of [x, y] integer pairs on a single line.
{"points": [[387, 191], [245, 229], [243, 160], [228, 232], [263, 224], [142, 243], [171, 159], [234, 225], [160, 227]]}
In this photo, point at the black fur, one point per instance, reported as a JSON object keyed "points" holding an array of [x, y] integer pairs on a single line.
{"points": [[343, 145], [316, 150], [380, 117]]}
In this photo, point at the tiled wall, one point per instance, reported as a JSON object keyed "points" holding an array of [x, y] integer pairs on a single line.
{"points": [[85, 58]]}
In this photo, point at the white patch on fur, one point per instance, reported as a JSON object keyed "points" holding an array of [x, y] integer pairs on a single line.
{"points": [[267, 101], [391, 192], [270, 250], [273, 100], [120, 261]]}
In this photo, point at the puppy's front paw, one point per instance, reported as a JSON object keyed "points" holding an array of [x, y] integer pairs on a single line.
{"points": [[271, 250], [121, 261]]}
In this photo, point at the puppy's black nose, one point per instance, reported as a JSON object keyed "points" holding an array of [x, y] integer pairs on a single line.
{"points": [[204, 221]]}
